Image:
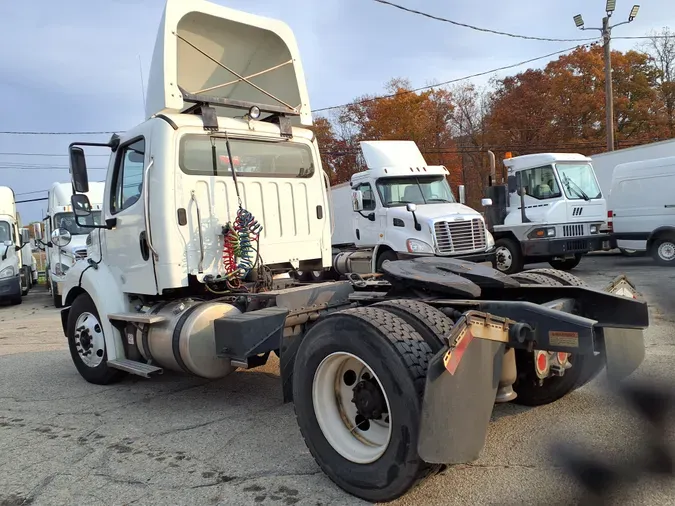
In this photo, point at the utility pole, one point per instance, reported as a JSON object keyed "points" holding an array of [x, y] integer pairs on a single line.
{"points": [[606, 32]]}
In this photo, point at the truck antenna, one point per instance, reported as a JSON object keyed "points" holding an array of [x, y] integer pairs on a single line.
{"points": [[140, 68]]}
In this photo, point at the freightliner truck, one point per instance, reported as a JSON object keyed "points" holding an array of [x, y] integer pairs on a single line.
{"points": [[392, 376]]}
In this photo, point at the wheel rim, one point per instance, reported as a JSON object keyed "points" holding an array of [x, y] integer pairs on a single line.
{"points": [[89, 340], [504, 258], [339, 380], [667, 251], [317, 274]]}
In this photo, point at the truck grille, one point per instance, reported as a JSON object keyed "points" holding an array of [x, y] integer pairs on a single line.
{"points": [[578, 245], [460, 236], [80, 254], [573, 230]]}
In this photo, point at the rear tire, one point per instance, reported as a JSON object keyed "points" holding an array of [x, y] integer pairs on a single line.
{"points": [[663, 250], [508, 256], [567, 264], [584, 367], [93, 367], [398, 357]]}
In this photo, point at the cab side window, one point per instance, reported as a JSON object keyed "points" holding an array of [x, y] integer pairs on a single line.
{"points": [[368, 197], [128, 178], [539, 183]]}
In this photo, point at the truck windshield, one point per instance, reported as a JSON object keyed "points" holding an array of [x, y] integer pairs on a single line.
{"points": [[67, 221], [249, 157], [5, 231], [578, 181], [399, 191]]}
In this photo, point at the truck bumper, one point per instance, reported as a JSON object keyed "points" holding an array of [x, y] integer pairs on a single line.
{"points": [[10, 288], [565, 247], [463, 377]]}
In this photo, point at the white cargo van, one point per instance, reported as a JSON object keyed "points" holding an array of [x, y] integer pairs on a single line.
{"points": [[642, 208]]}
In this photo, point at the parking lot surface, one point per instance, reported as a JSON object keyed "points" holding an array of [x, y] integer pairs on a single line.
{"points": [[178, 440]]}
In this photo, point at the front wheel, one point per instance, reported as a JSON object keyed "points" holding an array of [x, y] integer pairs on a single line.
{"points": [[87, 343], [508, 256], [567, 264], [358, 383], [663, 251]]}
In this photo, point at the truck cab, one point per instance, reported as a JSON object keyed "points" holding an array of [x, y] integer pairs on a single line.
{"points": [[551, 210], [14, 280], [399, 208], [60, 224]]}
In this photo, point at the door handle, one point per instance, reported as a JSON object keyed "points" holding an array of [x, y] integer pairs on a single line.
{"points": [[669, 205], [143, 242]]}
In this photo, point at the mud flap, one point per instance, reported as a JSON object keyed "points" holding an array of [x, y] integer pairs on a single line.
{"points": [[624, 348], [624, 352], [459, 396]]}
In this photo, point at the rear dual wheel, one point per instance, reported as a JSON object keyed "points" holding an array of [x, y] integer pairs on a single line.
{"points": [[532, 390], [358, 386]]}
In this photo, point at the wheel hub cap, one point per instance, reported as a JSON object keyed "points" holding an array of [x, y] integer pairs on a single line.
{"points": [[369, 400], [89, 341], [503, 258], [667, 250]]}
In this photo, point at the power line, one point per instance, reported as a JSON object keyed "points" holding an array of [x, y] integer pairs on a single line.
{"points": [[44, 154], [31, 193], [472, 27], [450, 81], [18, 132], [30, 200]]}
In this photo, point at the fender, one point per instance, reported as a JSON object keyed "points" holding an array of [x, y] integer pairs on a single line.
{"points": [[100, 284], [659, 231]]}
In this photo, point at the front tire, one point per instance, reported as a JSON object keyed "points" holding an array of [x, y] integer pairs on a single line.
{"points": [[351, 367], [508, 256], [383, 257], [87, 343]]}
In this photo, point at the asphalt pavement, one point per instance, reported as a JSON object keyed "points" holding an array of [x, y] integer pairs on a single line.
{"points": [[178, 440]]}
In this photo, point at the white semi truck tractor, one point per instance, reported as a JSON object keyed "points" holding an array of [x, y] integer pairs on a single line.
{"points": [[220, 191], [14, 275], [402, 208], [550, 210], [60, 223]]}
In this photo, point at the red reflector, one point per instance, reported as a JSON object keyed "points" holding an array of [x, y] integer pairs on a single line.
{"points": [[453, 357], [542, 362]]}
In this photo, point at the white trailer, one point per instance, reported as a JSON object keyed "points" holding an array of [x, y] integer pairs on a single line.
{"points": [[14, 275], [401, 208], [60, 222], [220, 189], [550, 210]]}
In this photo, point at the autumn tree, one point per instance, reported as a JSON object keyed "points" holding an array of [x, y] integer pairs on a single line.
{"points": [[661, 49]]}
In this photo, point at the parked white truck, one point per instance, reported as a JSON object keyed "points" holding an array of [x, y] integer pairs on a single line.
{"points": [[221, 188], [400, 208], [14, 275], [550, 210], [60, 221]]}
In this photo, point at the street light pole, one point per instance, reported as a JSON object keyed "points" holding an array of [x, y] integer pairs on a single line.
{"points": [[606, 32], [609, 92]]}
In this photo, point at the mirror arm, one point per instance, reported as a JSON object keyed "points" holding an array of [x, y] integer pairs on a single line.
{"points": [[4, 255]]}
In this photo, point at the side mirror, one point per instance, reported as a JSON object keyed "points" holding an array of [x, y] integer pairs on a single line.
{"points": [[78, 170], [512, 184], [462, 194], [411, 207], [81, 204], [61, 237], [357, 200], [37, 231], [25, 236], [486, 202]]}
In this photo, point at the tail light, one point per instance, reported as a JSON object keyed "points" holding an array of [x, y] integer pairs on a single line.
{"points": [[610, 223]]}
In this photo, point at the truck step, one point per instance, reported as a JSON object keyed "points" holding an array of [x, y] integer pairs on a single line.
{"points": [[136, 318], [137, 368]]}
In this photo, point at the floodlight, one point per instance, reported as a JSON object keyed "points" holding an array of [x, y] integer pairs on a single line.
{"points": [[633, 12], [578, 20], [611, 6], [254, 112]]}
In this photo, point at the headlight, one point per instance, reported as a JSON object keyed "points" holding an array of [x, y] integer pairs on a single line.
{"points": [[542, 233], [7, 272], [594, 229], [490, 240], [415, 246], [60, 269]]}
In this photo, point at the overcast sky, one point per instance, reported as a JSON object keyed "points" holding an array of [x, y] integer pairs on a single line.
{"points": [[73, 65]]}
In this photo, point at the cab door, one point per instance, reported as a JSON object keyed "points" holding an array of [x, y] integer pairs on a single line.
{"points": [[127, 250], [366, 222]]}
